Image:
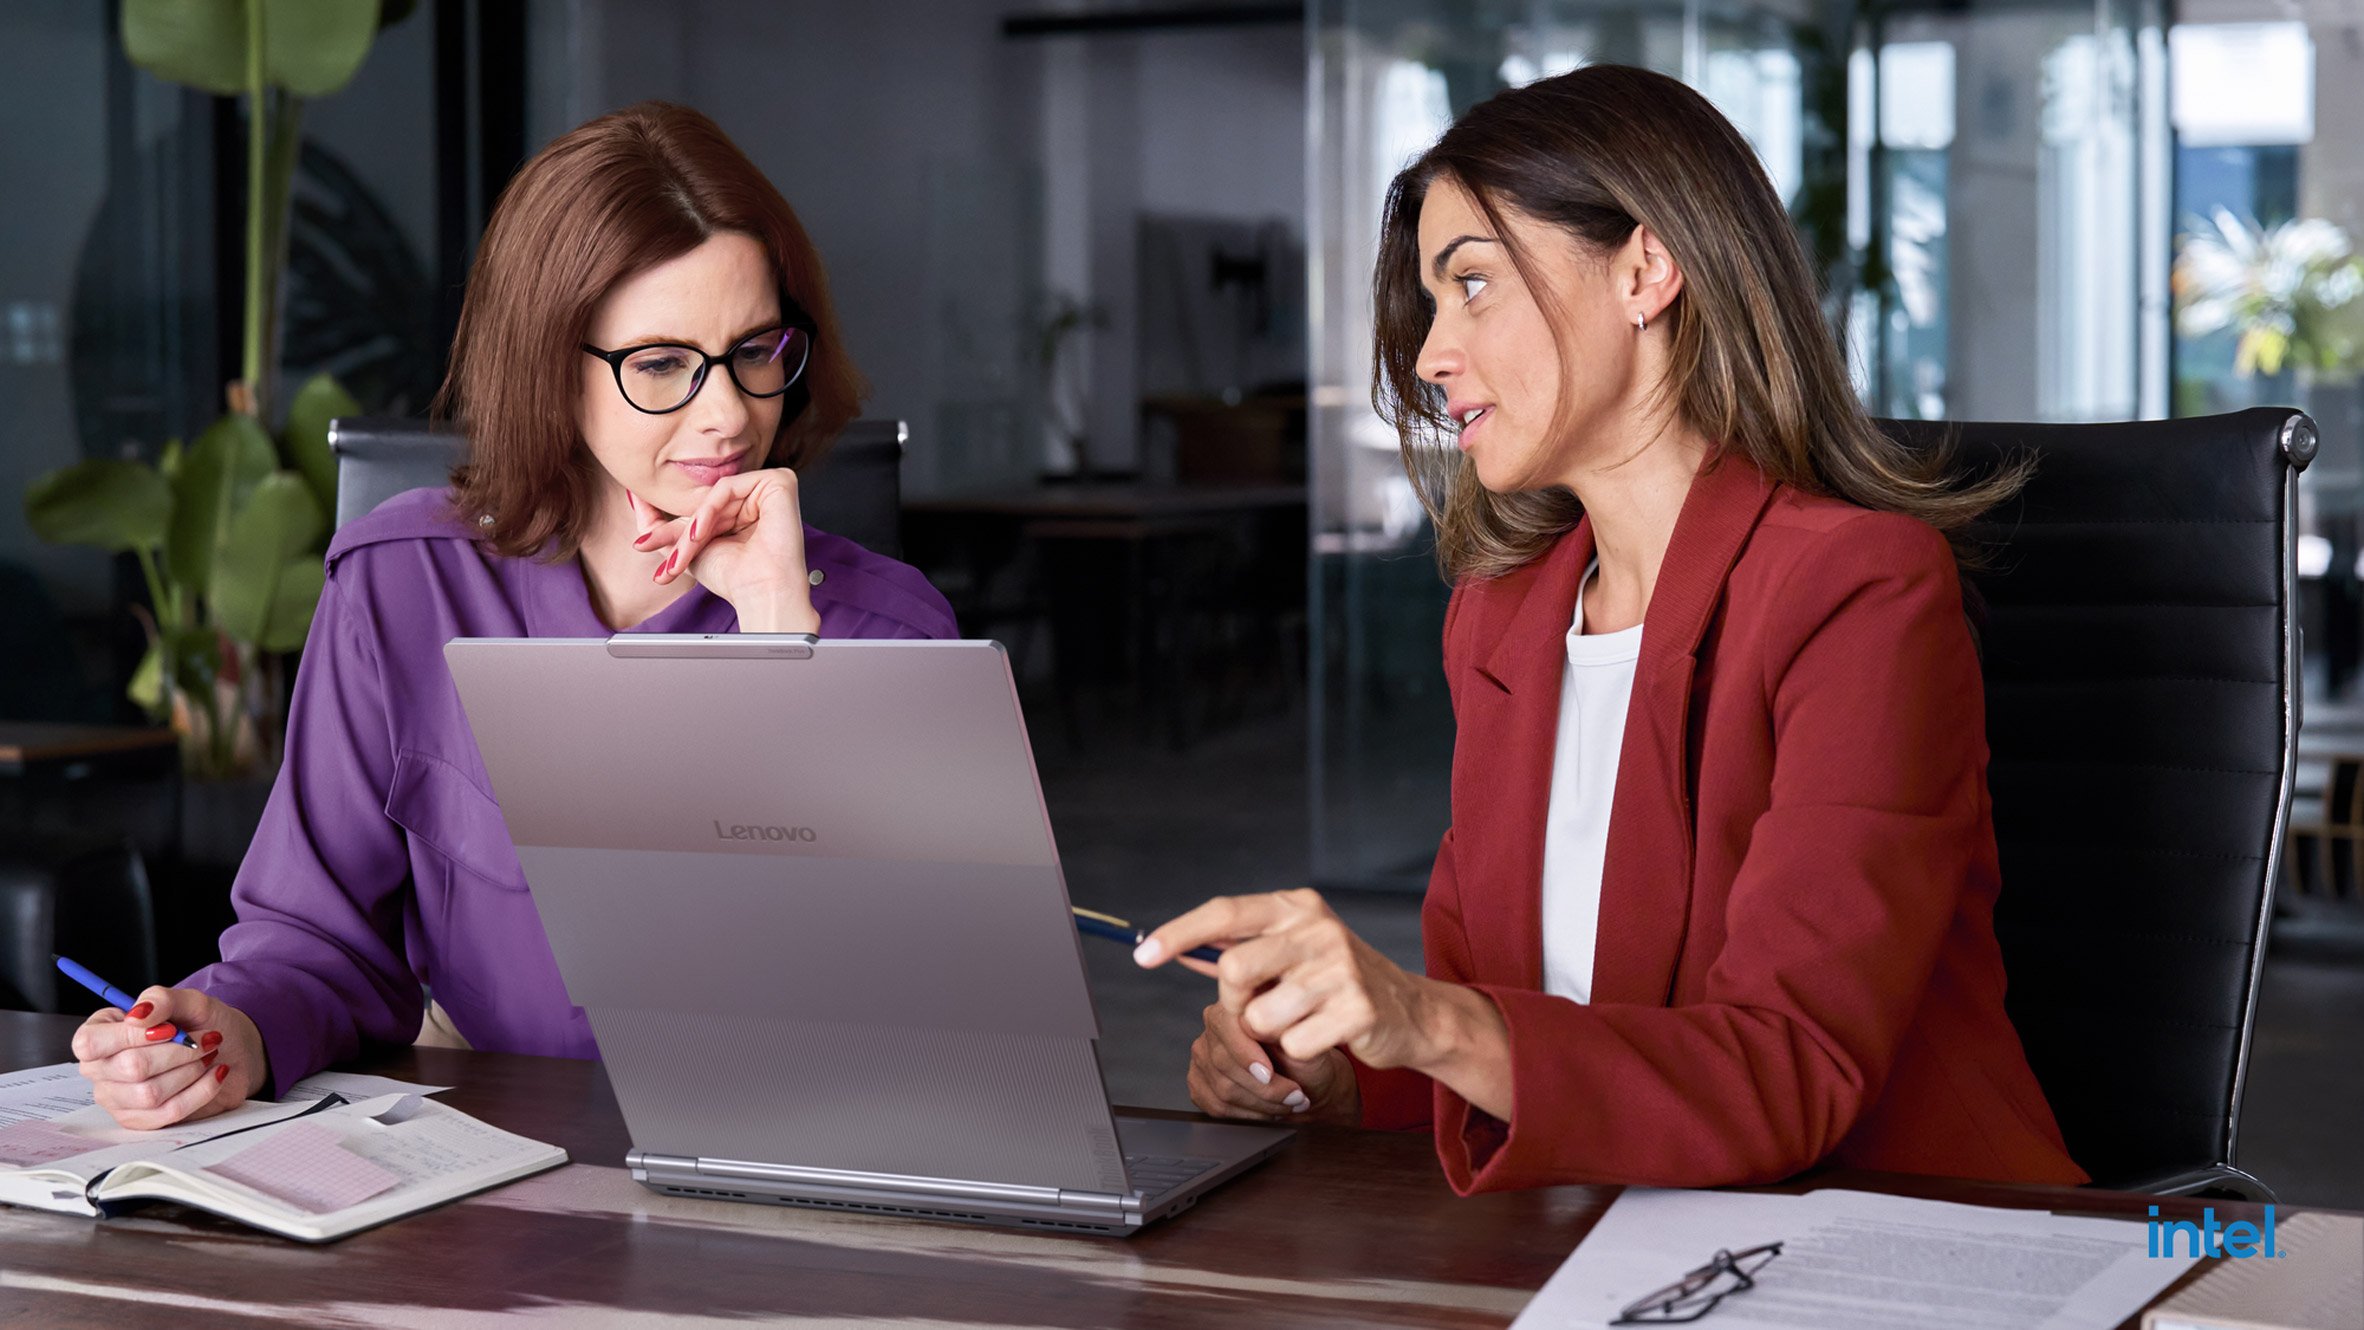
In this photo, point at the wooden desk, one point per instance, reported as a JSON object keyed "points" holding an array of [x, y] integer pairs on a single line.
{"points": [[27, 744], [1344, 1227]]}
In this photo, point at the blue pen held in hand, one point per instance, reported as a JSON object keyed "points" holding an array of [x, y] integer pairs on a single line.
{"points": [[115, 997], [1117, 930]]}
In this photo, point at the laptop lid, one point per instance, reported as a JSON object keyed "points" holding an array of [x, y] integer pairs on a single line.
{"points": [[808, 896]]}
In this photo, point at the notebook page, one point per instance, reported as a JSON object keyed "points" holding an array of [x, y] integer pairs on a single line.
{"points": [[32, 1143], [50, 1163], [307, 1166], [105, 1145], [356, 1164]]}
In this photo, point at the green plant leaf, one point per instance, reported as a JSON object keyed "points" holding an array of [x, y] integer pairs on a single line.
{"points": [[169, 462], [147, 682], [290, 619], [310, 47], [201, 43], [321, 400], [275, 528], [114, 505], [183, 660], [217, 473]]}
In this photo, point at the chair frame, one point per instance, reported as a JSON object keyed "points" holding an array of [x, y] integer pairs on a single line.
{"points": [[2298, 442]]}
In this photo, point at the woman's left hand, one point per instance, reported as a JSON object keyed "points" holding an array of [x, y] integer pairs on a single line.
{"points": [[745, 543], [1297, 977]]}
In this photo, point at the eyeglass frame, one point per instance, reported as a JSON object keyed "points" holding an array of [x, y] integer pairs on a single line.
{"points": [[1725, 1262], [792, 315]]}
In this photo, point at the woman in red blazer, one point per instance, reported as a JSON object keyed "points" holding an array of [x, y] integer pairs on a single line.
{"points": [[1601, 343]]}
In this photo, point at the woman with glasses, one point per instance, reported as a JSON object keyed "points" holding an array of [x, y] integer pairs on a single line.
{"points": [[645, 360], [1717, 902]]}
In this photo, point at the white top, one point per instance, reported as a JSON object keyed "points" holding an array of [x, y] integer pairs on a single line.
{"points": [[1594, 689]]}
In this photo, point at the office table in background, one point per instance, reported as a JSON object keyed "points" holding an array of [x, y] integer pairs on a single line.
{"points": [[1185, 582], [1344, 1227]]}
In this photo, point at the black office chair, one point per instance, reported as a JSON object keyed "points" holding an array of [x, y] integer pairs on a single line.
{"points": [[2141, 654], [856, 491], [77, 896]]}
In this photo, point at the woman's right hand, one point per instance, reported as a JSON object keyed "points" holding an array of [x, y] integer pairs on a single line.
{"points": [[1224, 1079], [145, 1081]]}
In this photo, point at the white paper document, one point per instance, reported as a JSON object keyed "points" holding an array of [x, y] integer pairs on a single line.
{"points": [[38, 1094], [1855, 1260], [354, 1086]]}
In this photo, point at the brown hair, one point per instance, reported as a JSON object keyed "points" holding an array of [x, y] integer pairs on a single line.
{"points": [[616, 197], [1598, 152]]}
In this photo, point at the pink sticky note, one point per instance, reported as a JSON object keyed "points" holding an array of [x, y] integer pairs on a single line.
{"points": [[23, 1144], [307, 1167]]}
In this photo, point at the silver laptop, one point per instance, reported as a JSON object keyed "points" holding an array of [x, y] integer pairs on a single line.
{"points": [[808, 895]]}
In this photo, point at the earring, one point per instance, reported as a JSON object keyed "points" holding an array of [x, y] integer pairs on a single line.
{"points": [[1641, 323]]}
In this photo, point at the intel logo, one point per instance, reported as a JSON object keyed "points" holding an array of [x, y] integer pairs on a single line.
{"points": [[745, 831]]}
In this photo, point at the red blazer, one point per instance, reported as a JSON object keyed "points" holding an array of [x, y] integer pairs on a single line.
{"points": [[1797, 959]]}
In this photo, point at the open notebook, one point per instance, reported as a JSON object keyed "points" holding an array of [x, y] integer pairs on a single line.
{"points": [[323, 1164]]}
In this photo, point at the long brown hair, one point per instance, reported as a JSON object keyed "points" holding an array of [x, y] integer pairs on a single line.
{"points": [[616, 197], [1598, 152]]}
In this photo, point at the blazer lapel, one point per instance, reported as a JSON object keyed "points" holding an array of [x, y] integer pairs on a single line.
{"points": [[1646, 877], [1502, 773]]}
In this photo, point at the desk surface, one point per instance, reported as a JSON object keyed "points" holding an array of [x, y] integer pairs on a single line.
{"points": [[25, 743], [1344, 1227]]}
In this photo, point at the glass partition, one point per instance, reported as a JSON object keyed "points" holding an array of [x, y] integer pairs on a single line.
{"points": [[1984, 190], [1388, 76]]}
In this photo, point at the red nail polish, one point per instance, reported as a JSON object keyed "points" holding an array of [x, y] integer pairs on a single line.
{"points": [[221, 1073], [207, 1060], [210, 1039], [164, 1031], [140, 1012], [693, 528], [640, 540]]}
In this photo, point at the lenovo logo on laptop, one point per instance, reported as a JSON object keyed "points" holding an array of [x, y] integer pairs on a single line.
{"points": [[744, 831]]}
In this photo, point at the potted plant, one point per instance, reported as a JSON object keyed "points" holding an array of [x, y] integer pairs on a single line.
{"points": [[2290, 293], [229, 529]]}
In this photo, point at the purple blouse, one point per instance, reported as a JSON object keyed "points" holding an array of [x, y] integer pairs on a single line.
{"points": [[382, 864]]}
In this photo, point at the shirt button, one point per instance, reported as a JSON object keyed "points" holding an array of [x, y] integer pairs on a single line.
{"points": [[815, 577]]}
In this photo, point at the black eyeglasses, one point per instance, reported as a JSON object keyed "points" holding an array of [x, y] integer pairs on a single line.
{"points": [[659, 378], [1697, 1293]]}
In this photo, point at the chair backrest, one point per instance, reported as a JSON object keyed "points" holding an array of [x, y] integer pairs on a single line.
{"points": [[856, 491], [2139, 642]]}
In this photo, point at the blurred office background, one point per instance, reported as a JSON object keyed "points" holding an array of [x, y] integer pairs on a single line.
{"points": [[1109, 262]]}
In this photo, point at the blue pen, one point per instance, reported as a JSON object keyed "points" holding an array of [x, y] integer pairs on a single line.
{"points": [[1117, 930], [115, 997]]}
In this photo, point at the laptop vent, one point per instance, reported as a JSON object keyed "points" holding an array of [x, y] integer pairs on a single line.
{"points": [[875, 1208]]}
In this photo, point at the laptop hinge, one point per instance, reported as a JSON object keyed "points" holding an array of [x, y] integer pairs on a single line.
{"points": [[896, 1182]]}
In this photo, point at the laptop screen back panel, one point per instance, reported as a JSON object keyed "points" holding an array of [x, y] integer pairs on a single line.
{"points": [[721, 850]]}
